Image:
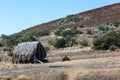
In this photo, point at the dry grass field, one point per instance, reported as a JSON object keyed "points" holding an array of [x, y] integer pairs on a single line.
{"points": [[88, 67], [79, 74]]}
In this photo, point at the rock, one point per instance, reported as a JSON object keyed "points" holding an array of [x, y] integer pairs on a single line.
{"points": [[66, 58]]}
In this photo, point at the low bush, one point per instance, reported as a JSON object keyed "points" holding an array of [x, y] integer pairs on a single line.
{"points": [[101, 28], [81, 26], [112, 47], [1, 44], [84, 43], [59, 30], [44, 32], [58, 42], [110, 40], [116, 23], [70, 19]]}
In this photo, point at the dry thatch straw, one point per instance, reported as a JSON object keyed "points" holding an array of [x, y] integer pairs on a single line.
{"points": [[28, 51]]}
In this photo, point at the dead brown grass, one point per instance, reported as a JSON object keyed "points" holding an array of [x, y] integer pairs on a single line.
{"points": [[102, 74], [109, 74], [75, 53], [58, 76], [10, 65], [41, 76], [5, 78], [80, 74], [109, 70]]}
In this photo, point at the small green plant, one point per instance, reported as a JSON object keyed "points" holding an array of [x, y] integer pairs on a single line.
{"points": [[66, 32], [73, 28], [112, 47], [84, 43], [101, 28], [81, 26], [1, 44], [70, 19], [116, 23], [59, 30], [10, 53], [58, 42], [44, 32]]}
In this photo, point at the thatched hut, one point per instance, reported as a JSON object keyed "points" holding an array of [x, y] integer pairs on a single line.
{"points": [[29, 51]]}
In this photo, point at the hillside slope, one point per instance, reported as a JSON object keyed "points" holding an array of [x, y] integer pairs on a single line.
{"points": [[93, 17]]}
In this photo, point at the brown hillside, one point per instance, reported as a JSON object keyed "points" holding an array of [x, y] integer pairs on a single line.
{"points": [[94, 17]]}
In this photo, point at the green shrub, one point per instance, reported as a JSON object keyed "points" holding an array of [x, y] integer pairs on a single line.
{"points": [[44, 32], [10, 53], [84, 43], [1, 44], [116, 23], [71, 18], [51, 42], [58, 42], [101, 28], [81, 26], [8, 49], [73, 28], [70, 42], [74, 32], [107, 41], [107, 23], [112, 47], [59, 30], [68, 35], [65, 32], [29, 36]]}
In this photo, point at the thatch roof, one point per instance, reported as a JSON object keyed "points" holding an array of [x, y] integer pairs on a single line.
{"points": [[26, 51]]}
